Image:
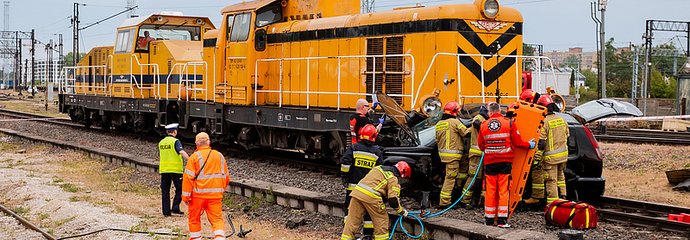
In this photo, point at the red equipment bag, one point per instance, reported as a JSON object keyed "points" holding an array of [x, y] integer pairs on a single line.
{"points": [[567, 214]]}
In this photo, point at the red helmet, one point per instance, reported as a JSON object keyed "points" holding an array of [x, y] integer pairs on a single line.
{"points": [[528, 95], [368, 132], [545, 100], [451, 108], [404, 169]]}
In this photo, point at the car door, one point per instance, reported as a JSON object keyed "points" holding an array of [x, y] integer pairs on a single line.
{"points": [[603, 108]]}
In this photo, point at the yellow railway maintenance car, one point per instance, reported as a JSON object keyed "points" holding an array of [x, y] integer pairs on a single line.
{"points": [[286, 74]]}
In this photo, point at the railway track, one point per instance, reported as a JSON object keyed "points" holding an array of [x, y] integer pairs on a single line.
{"points": [[644, 136], [26, 223], [642, 214], [289, 158]]}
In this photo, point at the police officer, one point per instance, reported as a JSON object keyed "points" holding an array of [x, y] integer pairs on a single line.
{"points": [[171, 167], [356, 163], [553, 148], [367, 197], [474, 156], [498, 136], [450, 134]]}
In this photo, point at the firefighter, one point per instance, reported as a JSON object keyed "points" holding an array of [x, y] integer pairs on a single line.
{"points": [[171, 167], [450, 133], [367, 197], [529, 96], [497, 137], [203, 185], [474, 156], [364, 155], [510, 112], [553, 148]]}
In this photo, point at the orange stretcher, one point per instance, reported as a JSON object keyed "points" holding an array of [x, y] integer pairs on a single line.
{"points": [[529, 119]]}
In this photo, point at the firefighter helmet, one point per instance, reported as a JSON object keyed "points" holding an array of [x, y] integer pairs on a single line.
{"points": [[451, 108], [368, 132], [528, 96], [404, 169], [545, 100]]}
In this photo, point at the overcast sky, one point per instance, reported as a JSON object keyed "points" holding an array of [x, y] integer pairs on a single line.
{"points": [[556, 24]]}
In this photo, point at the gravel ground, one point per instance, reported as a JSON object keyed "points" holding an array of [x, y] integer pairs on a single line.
{"points": [[10, 228], [263, 170]]}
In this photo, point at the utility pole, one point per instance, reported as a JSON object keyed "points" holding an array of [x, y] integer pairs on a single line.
{"points": [[18, 68], [602, 39], [597, 23], [33, 61], [26, 70], [367, 6], [75, 33], [635, 74], [48, 69]]}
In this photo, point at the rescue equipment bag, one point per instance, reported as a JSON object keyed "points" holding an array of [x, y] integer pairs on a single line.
{"points": [[568, 214]]}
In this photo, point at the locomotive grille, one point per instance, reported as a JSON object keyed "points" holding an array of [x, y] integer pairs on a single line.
{"points": [[389, 70]]}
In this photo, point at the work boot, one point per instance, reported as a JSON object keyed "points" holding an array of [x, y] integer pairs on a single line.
{"points": [[489, 221], [503, 222], [532, 201], [366, 237]]}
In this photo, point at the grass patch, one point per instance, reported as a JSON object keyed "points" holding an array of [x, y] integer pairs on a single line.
{"points": [[69, 187], [43, 216], [75, 198], [21, 210], [63, 221]]}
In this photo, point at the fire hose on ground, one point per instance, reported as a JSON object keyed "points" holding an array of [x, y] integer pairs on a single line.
{"points": [[423, 214]]}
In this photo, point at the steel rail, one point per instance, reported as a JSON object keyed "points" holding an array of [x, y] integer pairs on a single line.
{"points": [[642, 213], [644, 136], [26, 223]]}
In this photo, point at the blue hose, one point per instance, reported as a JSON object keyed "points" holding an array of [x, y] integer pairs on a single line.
{"points": [[430, 215]]}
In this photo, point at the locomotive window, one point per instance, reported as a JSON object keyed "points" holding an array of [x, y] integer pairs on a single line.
{"points": [[269, 14], [166, 32], [240, 28], [124, 41], [231, 18]]}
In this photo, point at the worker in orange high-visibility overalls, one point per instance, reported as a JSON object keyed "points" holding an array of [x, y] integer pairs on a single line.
{"points": [[498, 136], [203, 185]]}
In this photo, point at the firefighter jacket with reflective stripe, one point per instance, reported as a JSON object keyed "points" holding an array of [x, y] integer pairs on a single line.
{"points": [[358, 160], [170, 159], [381, 182], [555, 134], [209, 182], [497, 138], [449, 139], [474, 134], [357, 121]]}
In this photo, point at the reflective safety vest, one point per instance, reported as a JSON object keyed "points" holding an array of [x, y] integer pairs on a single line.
{"points": [[474, 134], [495, 133], [449, 139], [209, 182], [555, 134], [358, 160], [379, 183], [170, 159]]}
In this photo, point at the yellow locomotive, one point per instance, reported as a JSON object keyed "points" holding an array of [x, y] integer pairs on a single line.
{"points": [[287, 73]]}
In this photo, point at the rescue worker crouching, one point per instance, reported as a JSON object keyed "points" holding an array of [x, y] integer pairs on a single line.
{"points": [[529, 96], [205, 178], [367, 197], [551, 156], [497, 137], [472, 197], [357, 161], [450, 134]]}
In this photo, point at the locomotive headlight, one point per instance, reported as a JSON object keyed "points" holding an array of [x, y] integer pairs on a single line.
{"points": [[431, 106], [490, 8]]}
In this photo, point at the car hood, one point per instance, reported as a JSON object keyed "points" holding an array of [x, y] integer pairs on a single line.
{"points": [[603, 108], [396, 113]]}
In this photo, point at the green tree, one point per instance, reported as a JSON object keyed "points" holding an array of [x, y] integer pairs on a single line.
{"points": [[662, 86], [528, 50], [618, 71], [571, 61], [69, 58], [591, 79]]}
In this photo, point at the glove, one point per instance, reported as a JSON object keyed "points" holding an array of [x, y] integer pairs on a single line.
{"points": [[382, 119], [344, 181], [376, 104], [532, 143], [537, 157], [403, 213]]}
